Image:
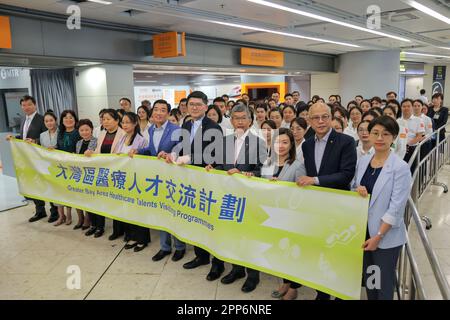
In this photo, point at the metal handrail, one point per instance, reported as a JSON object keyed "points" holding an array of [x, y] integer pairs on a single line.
{"points": [[431, 254], [412, 282]]}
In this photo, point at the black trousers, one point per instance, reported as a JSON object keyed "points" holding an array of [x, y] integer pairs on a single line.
{"points": [[408, 155], [139, 234], [294, 285], [39, 205], [386, 260], [251, 273], [97, 221], [120, 228], [204, 255], [53, 210]]}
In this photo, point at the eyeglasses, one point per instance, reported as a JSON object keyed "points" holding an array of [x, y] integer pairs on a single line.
{"points": [[239, 118], [383, 134], [324, 117], [195, 105]]}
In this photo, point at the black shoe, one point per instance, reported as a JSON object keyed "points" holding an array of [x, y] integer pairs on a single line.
{"points": [[197, 262], [98, 233], [160, 255], [178, 255], [85, 227], [37, 216], [139, 247], [249, 285], [215, 273], [52, 219], [232, 277], [130, 245], [91, 231], [322, 296], [78, 226], [114, 236]]}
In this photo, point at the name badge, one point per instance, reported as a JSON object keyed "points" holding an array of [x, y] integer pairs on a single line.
{"points": [[436, 116]]}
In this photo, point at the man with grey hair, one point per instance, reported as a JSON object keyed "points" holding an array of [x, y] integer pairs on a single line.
{"points": [[243, 153]]}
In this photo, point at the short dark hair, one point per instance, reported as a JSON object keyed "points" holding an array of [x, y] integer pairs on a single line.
{"points": [[182, 100], [388, 123], [378, 99], [270, 123], [147, 111], [198, 95], [353, 108], [392, 92], [370, 113], [162, 101], [216, 108], [126, 99], [292, 149], [437, 95], [85, 122], [352, 102], [112, 113], [364, 121], [290, 107], [262, 106], [390, 108], [342, 111], [101, 112], [287, 95], [244, 94], [219, 99], [340, 122], [62, 128], [225, 95], [295, 92], [301, 122], [422, 91], [407, 100], [28, 98], [360, 96], [275, 110], [418, 101], [50, 113]]}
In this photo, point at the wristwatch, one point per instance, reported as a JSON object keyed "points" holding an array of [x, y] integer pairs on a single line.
{"points": [[380, 234]]}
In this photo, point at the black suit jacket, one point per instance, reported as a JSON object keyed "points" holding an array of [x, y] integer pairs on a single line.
{"points": [[197, 154], [35, 129], [338, 165], [309, 133], [251, 156]]}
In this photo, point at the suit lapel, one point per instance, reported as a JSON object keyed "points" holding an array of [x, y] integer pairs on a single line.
{"points": [[328, 148], [163, 137], [151, 144], [312, 159], [383, 178]]}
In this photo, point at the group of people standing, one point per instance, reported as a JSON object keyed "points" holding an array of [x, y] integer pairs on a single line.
{"points": [[314, 143]]}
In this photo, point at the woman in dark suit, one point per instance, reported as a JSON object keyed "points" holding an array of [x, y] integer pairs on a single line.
{"points": [[439, 114]]}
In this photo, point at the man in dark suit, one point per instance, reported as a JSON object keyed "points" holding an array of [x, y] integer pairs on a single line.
{"points": [[244, 153], [330, 157], [30, 129], [196, 136]]}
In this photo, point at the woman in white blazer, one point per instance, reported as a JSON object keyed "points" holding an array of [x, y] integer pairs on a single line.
{"points": [[387, 179]]}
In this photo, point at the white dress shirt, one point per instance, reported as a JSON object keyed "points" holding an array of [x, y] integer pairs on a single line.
{"points": [[238, 143], [27, 124]]}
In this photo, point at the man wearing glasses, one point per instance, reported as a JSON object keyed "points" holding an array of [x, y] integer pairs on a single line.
{"points": [[330, 157]]}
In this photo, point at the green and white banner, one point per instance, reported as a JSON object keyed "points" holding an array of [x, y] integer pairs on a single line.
{"points": [[308, 235]]}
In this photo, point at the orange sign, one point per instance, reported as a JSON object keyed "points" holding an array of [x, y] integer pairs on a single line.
{"points": [[259, 57], [5, 33], [169, 45]]}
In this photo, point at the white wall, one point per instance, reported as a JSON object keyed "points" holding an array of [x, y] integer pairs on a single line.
{"points": [[324, 85], [413, 87], [91, 91], [368, 73]]}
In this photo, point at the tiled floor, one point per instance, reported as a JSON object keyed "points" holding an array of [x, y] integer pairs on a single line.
{"points": [[35, 257], [434, 204]]}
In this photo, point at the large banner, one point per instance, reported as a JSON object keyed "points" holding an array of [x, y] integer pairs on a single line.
{"points": [[308, 235]]}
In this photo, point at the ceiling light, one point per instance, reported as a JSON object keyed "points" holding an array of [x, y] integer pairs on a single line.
{"points": [[100, 1], [427, 10], [425, 54], [282, 33], [322, 18], [446, 48]]}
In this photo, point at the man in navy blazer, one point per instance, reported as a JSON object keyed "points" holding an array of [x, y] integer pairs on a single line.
{"points": [[330, 157], [195, 138], [30, 129], [163, 137]]}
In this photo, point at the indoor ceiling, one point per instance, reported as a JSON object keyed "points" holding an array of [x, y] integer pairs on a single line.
{"points": [[326, 26]]}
